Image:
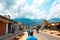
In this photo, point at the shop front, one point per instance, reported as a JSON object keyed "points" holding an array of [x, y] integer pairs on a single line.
{"points": [[2, 28]]}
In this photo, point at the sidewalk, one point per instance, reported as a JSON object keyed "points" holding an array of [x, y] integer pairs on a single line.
{"points": [[10, 36]]}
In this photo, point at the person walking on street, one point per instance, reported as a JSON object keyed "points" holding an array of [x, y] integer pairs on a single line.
{"points": [[32, 30], [37, 30], [31, 37], [28, 31]]}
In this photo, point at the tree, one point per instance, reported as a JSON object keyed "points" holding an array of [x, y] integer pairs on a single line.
{"points": [[44, 24]]}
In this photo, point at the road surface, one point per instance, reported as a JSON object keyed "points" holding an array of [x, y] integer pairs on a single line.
{"points": [[48, 37], [26, 35]]}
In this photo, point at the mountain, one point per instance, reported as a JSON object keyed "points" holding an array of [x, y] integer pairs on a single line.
{"points": [[54, 20], [28, 22], [38, 21], [33, 22], [25, 21]]}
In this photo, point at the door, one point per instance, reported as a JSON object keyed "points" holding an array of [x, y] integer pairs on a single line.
{"points": [[9, 27], [2, 28]]}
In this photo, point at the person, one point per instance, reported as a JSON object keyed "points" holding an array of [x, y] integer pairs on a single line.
{"points": [[37, 30], [32, 30], [12, 30], [31, 37], [28, 31]]}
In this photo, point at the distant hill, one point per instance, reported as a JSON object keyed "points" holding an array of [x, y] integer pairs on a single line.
{"points": [[38, 21], [33, 22], [54, 20], [27, 21]]}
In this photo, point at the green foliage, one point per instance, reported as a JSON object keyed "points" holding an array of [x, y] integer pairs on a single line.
{"points": [[45, 22]]}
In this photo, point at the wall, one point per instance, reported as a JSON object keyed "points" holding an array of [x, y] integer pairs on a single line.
{"points": [[7, 28], [2, 28], [16, 27]]}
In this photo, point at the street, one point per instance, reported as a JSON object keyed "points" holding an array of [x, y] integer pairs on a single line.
{"points": [[48, 37], [35, 34], [41, 36]]}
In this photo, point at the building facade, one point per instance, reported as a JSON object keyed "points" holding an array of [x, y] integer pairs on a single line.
{"points": [[6, 25]]}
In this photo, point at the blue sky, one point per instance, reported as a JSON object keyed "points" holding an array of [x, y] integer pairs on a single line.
{"points": [[33, 9]]}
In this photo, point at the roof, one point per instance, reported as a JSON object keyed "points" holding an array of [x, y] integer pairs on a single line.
{"points": [[55, 24], [2, 17]]}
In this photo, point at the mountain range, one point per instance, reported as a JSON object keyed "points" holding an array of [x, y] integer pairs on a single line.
{"points": [[33, 22], [54, 20]]}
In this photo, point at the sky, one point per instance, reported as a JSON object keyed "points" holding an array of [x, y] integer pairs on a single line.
{"points": [[32, 9]]}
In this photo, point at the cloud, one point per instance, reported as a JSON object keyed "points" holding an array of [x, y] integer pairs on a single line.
{"points": [[29, 2], [19, 3], [38, 2], [11, 7], [1, 7], [55, 10], [34, 13], [7, 12], [29, 16], [33, 9]]}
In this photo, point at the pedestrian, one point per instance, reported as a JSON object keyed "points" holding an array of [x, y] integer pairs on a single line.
{"points": [[32, 30], [31, 37], [12, 30], [37, 30], [28, 31]]}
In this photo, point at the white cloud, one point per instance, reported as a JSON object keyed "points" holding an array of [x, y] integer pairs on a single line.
{"points": [[29, 16], [11, 13], [1, 7], [37, 14], [38, 2], [55, 10], [22, 9], [19, 3]]}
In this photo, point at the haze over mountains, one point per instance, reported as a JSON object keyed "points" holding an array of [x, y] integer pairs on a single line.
{"points": [[33, 22], [54, 20]]}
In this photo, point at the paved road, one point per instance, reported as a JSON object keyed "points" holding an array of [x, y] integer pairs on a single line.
{"points": [[26, 35], [48, 37], [38, 36]]}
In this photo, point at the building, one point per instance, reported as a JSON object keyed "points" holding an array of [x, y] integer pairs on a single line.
{"points": [[7, 25], [54, 26], [16, 27], [51, 26]]}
